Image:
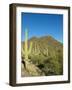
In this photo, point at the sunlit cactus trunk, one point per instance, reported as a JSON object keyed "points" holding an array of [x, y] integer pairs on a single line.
{"points": [[26, 44], [26, 48], [47, 51]]}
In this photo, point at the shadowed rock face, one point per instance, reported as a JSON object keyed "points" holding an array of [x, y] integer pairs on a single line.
{"points": [[46, 56]]}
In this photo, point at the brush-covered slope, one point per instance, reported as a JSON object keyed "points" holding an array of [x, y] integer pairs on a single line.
{"points": [[46, 54]]}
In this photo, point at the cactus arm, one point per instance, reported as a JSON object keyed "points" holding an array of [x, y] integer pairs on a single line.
{"points": [[47, 51], [30, 48], [38, 49], [26, 49], [26, 44]]}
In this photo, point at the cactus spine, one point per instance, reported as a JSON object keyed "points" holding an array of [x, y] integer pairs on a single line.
{"points": [[27, 50]]}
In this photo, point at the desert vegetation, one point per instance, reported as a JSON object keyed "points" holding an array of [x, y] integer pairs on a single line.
{"points": [[41, 56]]}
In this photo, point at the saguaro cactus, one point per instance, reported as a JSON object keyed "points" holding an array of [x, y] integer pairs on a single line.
{"points": [[27, 49]]}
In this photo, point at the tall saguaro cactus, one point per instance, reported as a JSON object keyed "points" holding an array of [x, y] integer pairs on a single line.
{"points": [[27, 49]]}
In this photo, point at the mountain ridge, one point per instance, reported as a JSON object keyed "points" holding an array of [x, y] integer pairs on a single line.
{"points": [[44, 37]]}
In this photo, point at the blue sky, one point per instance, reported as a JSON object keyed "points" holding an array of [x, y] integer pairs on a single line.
{"points": [[42, 25]]}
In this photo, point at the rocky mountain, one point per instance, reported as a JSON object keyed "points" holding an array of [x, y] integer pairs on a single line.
{"points": [[46, 55]]}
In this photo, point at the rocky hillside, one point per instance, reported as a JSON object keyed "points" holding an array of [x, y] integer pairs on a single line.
{"points": [[46, 56]]}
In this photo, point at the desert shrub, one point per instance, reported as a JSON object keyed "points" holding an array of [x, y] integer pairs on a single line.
{"points": [[50, 65], [41, 66], [37, 59]]}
